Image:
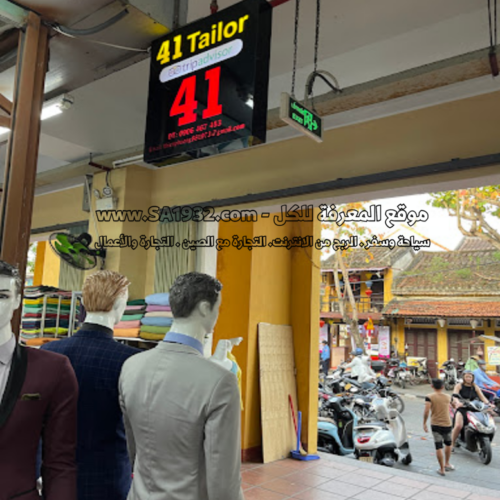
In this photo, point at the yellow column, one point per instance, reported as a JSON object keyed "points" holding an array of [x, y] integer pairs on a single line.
{"points": [[39, 260], [305, 303], [442, 347], [277, 286], [132, 187], [51, 268]]}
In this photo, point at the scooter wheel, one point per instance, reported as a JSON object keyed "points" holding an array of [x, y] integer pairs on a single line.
{"points": [[407, 460], [485, 453]]}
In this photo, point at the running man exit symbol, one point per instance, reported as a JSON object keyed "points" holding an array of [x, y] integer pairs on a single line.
{"points": [[301, 118]]}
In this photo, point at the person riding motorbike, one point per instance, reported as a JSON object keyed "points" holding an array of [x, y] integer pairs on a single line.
{"points": [[360, 368], [489, 387], [468, 391], [472, 364]]}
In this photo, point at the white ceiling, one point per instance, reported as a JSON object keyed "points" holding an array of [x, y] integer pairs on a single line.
{"points": [[361, 40]]}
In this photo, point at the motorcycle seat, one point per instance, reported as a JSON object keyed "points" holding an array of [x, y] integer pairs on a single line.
{"points": [[327, 420]]}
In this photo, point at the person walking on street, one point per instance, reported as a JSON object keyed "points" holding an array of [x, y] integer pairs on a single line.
{"points": [[437, 405], [325, 358]]}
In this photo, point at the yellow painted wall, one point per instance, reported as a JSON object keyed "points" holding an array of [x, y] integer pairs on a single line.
{"points": [[51, 268], [306, 280], [388, 281], [234, 321], [442, 341], [58, 208], [39, 261], [277, 286]]}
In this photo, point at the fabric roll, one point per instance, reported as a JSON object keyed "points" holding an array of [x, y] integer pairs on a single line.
{"points": [[132, 317], [135, 308], [152, 308], [157, 321], [49, 301], [36, 316], [136, 302], [155, 329], [128, 324], [158, 299], [152, 336], [127, 332], [159, 314], [38, 341]]}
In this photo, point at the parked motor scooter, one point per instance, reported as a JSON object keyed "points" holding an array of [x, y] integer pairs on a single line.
{"points": [[478, 430], [384, 441], [336, 432], [449, 374]]}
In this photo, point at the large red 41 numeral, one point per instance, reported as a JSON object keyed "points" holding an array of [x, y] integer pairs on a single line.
{"points": [[187, 93]]}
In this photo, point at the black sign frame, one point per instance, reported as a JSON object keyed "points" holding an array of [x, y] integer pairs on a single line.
{"points": [[242, 81]]}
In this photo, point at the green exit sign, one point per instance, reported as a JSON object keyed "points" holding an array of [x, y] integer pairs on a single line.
{"points": [[301, 118]]}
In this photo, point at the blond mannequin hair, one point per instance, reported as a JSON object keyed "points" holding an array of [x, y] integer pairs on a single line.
{"points": [[101, 289]]}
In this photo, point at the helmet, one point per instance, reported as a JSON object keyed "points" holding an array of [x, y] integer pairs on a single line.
{"points": [[357, 352]]}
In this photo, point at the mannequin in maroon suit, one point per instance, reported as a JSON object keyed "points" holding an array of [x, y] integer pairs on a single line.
{"points": [[38, 399]]}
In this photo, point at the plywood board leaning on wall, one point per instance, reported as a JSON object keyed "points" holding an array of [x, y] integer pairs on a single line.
{"points": [[277, 382]]}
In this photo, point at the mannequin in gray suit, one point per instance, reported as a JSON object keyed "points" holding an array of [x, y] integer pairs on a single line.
{"points": [[181, 410]]}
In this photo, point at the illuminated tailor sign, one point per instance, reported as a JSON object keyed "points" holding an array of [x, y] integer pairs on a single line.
{"points": [[301, 118], [209, 81]]}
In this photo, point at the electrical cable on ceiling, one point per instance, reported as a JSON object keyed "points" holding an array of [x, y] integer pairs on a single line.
{"points": [[309, 91], [91, 31], [295, 46], [121, 47], [493, 28]]}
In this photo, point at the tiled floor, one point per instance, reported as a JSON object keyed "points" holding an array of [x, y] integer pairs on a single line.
{"points": [[338, 478]]}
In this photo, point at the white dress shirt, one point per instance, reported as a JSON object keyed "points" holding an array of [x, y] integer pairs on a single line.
{"points": [[6, 354]]}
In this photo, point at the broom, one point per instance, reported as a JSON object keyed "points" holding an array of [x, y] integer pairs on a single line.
{"points": [[299, 453]]}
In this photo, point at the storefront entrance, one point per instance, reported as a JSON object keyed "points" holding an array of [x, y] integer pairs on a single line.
{"points": [[422, 342], [458, 347]]}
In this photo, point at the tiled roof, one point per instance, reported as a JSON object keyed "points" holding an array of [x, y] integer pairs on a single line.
{"points": [[468, 244], [451, 274], [375, 316], [444, 308], [380, 258]]}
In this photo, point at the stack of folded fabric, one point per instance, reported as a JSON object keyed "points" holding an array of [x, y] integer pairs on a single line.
{"points": [[57, 312], [158, 318], [131, 320]]}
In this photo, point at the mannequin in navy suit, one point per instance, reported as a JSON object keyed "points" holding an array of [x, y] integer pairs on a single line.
{"points": [[104, 470]]}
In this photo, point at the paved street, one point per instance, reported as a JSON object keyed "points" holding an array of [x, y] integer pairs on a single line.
{"points": [[469, 469]]}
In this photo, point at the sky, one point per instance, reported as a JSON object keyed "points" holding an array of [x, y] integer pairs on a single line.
{"points": [[440, 227]]}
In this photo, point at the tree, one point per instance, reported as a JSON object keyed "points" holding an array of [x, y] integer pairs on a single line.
{"points": [[30, 264], [341, 262], [475, 210]]}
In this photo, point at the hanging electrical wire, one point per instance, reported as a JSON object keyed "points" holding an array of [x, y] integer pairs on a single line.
{"points": [[295, 46], [309, 90], [493, 27]]}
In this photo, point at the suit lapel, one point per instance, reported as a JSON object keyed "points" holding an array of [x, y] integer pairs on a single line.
{"points": [[14, 383]]}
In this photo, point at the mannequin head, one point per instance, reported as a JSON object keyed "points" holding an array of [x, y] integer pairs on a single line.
{"points": [[195, 300], [10, 298], [105, 295]]}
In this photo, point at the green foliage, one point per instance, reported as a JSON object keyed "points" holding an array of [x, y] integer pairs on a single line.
{"points": [[464, 273], [30, 264], [438, 264]]}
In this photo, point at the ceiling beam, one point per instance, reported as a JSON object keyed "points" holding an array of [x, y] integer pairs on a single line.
{"points": [[5, 104], [428, 77]]}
